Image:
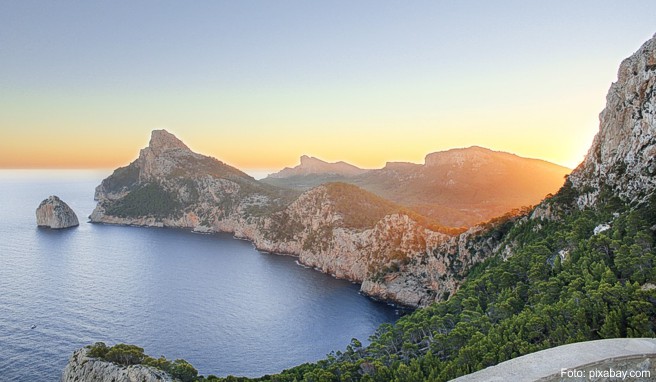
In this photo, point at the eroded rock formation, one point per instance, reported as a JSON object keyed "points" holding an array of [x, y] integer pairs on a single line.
{"points": [[55, 213]]}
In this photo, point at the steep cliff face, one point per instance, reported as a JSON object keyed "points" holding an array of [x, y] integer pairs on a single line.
{"points": [[336, 228], [622, 158], [56, 214], [80, 367]]}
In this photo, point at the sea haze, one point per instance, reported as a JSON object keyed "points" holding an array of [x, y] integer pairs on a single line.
{"points": [[210, 299]]}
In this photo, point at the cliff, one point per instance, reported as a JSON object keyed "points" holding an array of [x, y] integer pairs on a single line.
{"points": [[56, 214], [81, 367], [337, 228], [622, 158]]}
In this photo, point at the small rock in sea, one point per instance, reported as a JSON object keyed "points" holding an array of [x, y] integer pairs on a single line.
{"points": [[55, 213]]}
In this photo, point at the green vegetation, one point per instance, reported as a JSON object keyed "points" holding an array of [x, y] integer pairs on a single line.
{"points": [[150, 199], [127, 355], [284, 227], [360, 209], [122, 177], [563, 284]]}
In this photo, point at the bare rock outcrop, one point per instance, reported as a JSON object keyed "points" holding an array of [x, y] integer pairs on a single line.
{"points": [[81, 367], [622, 158], [56, 214]]}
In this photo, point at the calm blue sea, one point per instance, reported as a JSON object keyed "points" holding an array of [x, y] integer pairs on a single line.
{"points": [[210, 299]]}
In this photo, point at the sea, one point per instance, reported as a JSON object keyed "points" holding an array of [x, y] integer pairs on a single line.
{"points": [[210, 299]]}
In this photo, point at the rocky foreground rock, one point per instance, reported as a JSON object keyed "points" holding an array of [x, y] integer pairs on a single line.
{"points": [[56, 214], [81, 367]]}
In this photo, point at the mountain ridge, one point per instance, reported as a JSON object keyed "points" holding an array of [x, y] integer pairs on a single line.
{"points": [[455, 187]]}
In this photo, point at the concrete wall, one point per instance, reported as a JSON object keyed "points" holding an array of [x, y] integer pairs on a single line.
{"points": [[602, 360]]}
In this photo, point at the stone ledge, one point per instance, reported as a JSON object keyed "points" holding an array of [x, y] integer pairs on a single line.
{"points": [[546, 365]]}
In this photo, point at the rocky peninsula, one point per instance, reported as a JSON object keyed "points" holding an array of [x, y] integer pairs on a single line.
{"points": [[337, 228]]}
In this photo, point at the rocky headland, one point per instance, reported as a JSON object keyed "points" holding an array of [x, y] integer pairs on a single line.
{"points": [[82, 367], [56, 214], [337, 228]]}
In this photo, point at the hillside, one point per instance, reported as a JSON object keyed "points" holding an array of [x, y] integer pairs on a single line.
{"points": [[458, 187]]}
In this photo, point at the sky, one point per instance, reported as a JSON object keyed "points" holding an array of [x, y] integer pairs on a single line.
{"points": [[257, 84]]}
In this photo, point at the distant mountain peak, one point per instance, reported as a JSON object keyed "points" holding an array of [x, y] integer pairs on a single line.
{"points": [[315, 166], [477, 155], [162, 140], [308, 161], [458, 156]]}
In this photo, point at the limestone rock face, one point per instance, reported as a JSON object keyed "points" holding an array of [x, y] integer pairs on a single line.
{"points": [[55, 213], [80, 367], [623, 153]]}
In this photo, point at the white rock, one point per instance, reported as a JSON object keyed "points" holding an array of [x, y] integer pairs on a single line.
{"points": [[601, 228]]}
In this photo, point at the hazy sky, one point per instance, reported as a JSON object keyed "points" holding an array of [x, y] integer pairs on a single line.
{"points": [[259, 83]]}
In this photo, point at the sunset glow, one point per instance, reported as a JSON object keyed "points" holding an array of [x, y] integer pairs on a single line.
{"points": [[259, 85]]}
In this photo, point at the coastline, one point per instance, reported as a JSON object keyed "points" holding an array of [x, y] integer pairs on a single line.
{"points": [[298, 261]]}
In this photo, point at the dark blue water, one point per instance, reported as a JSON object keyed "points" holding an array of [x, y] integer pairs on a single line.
{"points": [[210, 299]]}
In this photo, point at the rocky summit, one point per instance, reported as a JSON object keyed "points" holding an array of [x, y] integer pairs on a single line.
{"points": [[56, 214]]}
